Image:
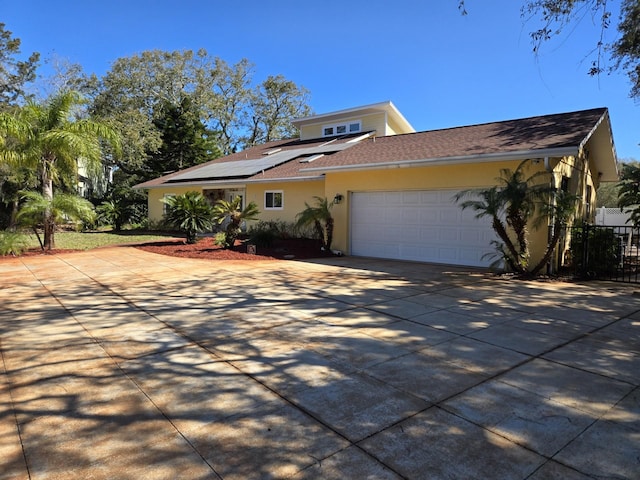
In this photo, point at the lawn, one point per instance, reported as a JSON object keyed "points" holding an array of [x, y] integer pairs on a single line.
{"points": [[89, 240]]}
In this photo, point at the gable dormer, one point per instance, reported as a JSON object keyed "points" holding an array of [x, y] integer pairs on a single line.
{"points": [[382, 118]]}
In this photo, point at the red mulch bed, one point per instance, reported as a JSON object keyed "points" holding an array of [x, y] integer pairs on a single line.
{"points": [[284, 249]]}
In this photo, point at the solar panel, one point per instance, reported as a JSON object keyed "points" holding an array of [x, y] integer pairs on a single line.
{"points": [[247, 168]]}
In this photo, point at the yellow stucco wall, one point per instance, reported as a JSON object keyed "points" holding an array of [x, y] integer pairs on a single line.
{"points": [[452, 177], [370, 122], [295, 194], [446, 177], [156, 207]]}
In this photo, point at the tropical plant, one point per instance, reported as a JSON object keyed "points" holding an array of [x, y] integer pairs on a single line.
{"points": [[46, 139], [489, 203], [61, 208], [515, 199], [318, 215], [234, 216], [560, 210], [629, 191], [190, 213], [114, 213], [595, 251], [13, 243]]}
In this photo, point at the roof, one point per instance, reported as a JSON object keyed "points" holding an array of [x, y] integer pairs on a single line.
{"points": [[387, 107], [552, 135]]}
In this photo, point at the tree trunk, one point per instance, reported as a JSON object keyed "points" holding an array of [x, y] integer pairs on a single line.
{"points": [[329, 228], [13, 222], [49, 223], [549, 251], [515, 262], [320, 232]]}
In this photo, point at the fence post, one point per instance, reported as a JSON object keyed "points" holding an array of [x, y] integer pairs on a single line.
{"points": [[585, 250]]}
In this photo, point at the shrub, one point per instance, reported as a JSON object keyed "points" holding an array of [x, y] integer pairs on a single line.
{"points": [[282, 229], [189, 213], [234, 217], [602, 252], [262, 238], [13, 243], [220, 239]]}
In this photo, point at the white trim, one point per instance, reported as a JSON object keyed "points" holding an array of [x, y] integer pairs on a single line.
{"points": [[387, 106], [288, 179], [221, 184], [482, 158], [347, 128], [264, 197], [234, 185], [592, 131], [165, 207]]}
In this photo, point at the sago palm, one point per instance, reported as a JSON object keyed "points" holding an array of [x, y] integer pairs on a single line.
{"points": [[46, 139], [230, 212], [190, 213], [318, 215]]}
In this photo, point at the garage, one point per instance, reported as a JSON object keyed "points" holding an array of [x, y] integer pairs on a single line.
{"points": [[425, 226]]}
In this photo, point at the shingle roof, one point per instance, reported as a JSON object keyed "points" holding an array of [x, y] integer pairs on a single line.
{"points": [[541, 133]]}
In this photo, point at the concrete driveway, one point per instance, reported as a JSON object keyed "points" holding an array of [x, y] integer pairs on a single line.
{"points": [[118, 363]]}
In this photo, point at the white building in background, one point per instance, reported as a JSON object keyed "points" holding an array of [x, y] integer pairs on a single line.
{"points": [[87, 185]]}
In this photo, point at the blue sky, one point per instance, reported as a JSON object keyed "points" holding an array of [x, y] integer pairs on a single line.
{"points": [[439, 68]]}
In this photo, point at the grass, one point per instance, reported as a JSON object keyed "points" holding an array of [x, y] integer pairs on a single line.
{"points": [[89, 240]]}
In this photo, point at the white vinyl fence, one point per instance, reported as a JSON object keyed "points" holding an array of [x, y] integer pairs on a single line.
{"points": [[608, 216]]}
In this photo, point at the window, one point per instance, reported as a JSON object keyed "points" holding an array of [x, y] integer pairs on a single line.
{"points": [[165, 207], [587, 205], [341, 128], [273, 200], [564, 184]]}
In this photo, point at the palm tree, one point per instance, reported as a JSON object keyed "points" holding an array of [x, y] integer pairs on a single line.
{"points": [[515, 198], [629, 191], [224, 211], [489, 203], [320, 217], [47, 140], [190, 213], [62, 207], [561, 209], [521, 194], [114, 213]]}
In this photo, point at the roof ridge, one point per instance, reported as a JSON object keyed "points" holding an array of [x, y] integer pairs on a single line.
{"points": [[481, 124]]}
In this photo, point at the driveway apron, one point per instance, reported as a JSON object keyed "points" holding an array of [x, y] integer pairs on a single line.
{"points": [[119, 363]]}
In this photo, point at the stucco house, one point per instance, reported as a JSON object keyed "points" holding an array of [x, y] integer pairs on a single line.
{"points": [[395, 185]]}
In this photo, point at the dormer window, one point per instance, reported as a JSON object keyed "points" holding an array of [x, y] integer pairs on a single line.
{"points": [[341, 128]]}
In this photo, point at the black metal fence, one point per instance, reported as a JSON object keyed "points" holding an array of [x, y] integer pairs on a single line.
{"points": [[604, 252]]}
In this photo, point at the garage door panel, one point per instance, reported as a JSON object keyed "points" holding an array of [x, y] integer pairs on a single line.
{"points": [[418, 225], [429, 216], [430, 197], [411, 198]]}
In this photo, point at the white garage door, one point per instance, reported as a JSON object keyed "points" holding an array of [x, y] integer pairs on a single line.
{"points": [[426, 226]]}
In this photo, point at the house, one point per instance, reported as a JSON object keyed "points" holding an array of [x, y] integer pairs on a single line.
{"points": [[393, 186]]}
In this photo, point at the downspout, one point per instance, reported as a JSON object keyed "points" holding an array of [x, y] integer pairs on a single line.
{"points": [[550, 230]]}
